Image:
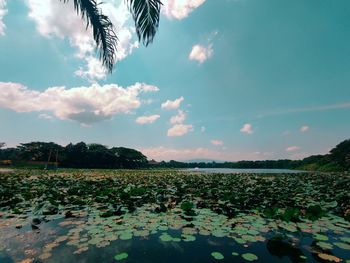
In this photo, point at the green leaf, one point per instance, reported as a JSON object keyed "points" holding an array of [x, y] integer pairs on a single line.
{"points": [[217, 255], [121, 256], [249, 257]]}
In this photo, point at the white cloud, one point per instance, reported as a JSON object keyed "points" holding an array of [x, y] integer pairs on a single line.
{"points": [[50, 23], [179, 118], [247, 128], [179, 130], [172, 104], [304, 128], [292, 148], [92, 70], [217, 142], [147, 119], [202, 129], [85, 105], [45, 116], [164, 153], [179, 9], [201, 53], [3, 12]]}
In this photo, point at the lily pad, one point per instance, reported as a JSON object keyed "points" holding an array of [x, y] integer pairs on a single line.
{"points": [[342, 245], [320, 237], [329, 257], [249, 257], [121, 256], [217, 255]]}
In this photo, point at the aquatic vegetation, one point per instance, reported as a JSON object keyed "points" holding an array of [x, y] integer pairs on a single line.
{"points": [[217, 255], [85, 210], [121, 256], [249, 257]]}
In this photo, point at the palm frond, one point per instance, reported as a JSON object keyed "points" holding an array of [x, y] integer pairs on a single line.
{"points": [[146, 16], [102, 28]]}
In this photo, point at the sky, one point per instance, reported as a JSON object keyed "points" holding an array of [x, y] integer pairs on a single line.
{"points": [[223, 79]]}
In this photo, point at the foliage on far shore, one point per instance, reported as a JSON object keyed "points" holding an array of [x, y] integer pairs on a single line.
{"points": [[82, 155]]}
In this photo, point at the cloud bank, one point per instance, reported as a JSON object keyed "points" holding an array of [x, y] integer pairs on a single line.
{"points": [[179, 9], [164, 153], [85, 105]]}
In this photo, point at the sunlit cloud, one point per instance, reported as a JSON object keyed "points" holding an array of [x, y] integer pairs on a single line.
{"points": [[247, 128], [179, 9], [179, 130], [201, 53], [182, 154], [292, 148], [172, 104], [85, 105], [147, 119], [179, 118]]}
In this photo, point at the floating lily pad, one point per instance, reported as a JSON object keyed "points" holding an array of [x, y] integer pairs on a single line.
{"points": [[324, 245], [329, 257], [320, 237], [125, 236], [217, 255], [342, 245], [188, 238], [121, 256], [249, 257], [166, 238], [345, 239]]}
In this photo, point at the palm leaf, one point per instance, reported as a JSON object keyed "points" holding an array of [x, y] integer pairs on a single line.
{"points": [[146, 16], [102, 28]]}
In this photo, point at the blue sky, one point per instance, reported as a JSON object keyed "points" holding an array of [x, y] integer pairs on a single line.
{"points": [[223, 80]]}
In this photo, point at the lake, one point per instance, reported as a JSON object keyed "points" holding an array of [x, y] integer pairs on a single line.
{"points": [[157, 216], [238, 171]]}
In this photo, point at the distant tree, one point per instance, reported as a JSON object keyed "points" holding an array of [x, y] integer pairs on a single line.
{"points": [[341, 154], [129, 158], [99, 156], [38, 151], [75, 155]]}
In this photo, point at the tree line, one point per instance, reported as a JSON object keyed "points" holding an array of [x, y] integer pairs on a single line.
{"points": [[338, 159], [79, 155], [82, 155]]}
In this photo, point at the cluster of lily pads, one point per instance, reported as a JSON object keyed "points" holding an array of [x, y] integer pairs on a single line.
{"points": [[96, 208]]}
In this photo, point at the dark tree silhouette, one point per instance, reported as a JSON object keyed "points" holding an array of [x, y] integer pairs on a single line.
{"points": [[145, 14]]}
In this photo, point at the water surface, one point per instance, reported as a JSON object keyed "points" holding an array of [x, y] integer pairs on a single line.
{"points": [[239, 170]]}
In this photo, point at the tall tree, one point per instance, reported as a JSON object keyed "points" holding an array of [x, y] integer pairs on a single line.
{"points": [[146, 17]]}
